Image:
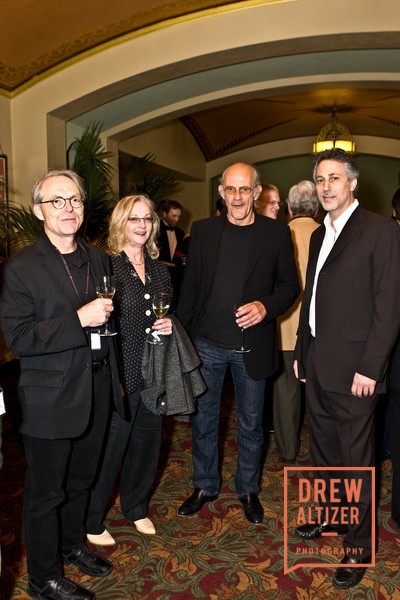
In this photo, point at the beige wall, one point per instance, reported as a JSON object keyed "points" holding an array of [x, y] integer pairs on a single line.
{"points": [[5, 134], [175, 149], [194, 200], [5, 125], [173, 146]]}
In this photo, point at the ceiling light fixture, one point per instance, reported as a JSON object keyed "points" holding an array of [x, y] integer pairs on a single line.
{"points": [[334, 135]]}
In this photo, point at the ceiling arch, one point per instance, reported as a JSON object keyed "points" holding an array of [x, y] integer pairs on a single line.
{"points": [[274, 91], [238, 74], [67, 29]]}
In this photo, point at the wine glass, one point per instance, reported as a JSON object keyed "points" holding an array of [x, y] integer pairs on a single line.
{"points": [[161, 302], [105, 288], [242, 349]]}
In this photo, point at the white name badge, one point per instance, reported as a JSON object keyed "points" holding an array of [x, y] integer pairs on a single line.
{"points": [[95, 341], [2, 405]]}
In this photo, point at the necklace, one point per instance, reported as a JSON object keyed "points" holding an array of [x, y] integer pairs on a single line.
{"points": [[135, 263]]}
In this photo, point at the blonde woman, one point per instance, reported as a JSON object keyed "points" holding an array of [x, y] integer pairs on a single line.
{"points": [[133, 443]]}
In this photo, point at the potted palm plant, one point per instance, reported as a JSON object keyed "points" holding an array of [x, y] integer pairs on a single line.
{"points": [[87, 156], [141, 175]]}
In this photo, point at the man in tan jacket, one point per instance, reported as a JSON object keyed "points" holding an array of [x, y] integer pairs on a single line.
{"points": [[302, 206]]}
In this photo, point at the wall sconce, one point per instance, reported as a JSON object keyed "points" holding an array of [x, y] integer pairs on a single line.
{"points": [[334, 135]]}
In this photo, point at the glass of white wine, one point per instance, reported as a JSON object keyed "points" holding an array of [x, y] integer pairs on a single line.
{"points": [[161, 302], [105, 288], [242, 349]]}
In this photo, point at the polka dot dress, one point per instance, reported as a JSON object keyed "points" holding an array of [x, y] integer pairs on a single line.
{"points": [[133, 310]]}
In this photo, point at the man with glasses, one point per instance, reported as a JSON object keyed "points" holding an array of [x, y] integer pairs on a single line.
{"points": [[243, 259], [268, 203], [51, 318]]}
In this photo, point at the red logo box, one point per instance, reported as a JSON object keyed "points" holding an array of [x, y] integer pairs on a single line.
{"points": [[316, 489]]}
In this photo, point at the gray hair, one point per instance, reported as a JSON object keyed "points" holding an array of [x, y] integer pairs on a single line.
{"points": [[341, 156], [302, 199], [37, 195]]}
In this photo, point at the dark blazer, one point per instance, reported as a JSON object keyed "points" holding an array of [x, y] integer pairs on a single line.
{"points": [[271, 278], [357, 302], [163, 244], [38, 308]]}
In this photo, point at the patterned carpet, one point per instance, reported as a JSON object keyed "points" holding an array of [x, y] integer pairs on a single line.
{"points": [[214, 555]]}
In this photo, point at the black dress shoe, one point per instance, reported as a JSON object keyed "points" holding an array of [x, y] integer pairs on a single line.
{"points": [[346, 578], [88, 562], [253, 510], [195, 503], [313, 532], [59, 589]]}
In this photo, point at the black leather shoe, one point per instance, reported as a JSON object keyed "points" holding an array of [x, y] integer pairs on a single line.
{"points": [[59, 589], [313, 532], [345, 578], [197, 500], [253, 510], [88, 562], [385, 455]]}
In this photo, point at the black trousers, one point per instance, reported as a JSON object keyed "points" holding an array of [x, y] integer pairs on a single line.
{"points": [[341, 429], [394, 427], [58, 477], [134, 443]]}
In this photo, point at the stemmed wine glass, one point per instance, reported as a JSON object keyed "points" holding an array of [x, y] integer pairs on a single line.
{"points": [[105, 288], [242, 349], [161, 302]]}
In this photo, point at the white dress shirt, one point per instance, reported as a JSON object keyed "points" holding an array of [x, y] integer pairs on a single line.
{"points": [[332, 232]]}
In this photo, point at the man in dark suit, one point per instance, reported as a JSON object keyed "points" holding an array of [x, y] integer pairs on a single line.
{"points": [[171, 245], [51, 318], [243, 259], [348, 324]]}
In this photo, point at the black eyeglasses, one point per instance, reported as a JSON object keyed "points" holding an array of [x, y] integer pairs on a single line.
{"points": [[244, 190], [61, 202]]}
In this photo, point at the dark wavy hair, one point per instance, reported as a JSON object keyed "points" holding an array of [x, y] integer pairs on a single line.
{"points": [[396, 204], [341, 156]]}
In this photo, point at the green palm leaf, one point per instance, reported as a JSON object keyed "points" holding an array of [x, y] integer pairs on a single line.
{"points": [[139, 175], [90, 162], [87, 156], [19, 226]]}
